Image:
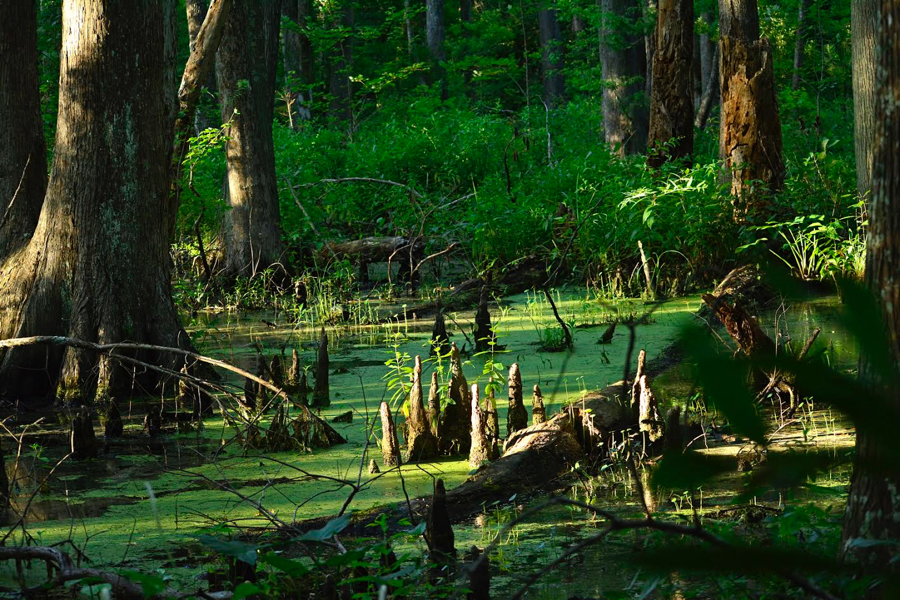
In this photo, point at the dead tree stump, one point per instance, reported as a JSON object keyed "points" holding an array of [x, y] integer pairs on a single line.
{"points": [[82, 441], [293, 376], [321, 395], [440, 341], [636, 386], [421, 445], [538, 413], [484, 335], [517, 414], [390, 447], [113, 428], [433, 412], [479, 577], [373, 467], [456, 419], [303, 390], [439, 533], [650, 422], [481, 449]]}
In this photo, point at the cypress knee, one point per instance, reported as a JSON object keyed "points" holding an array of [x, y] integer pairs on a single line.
{"points": [[433, 412], [650, 421], [456, 419], [113, 427], [303, 390], [83, 443], [484, 335], [438, 531], [479, 577], [420, 441], [673, 442], [390, 447], [492, 424], [293, 378], [440, 341], [538, 413], [276, 371], [517, 415], [321, 396], [480, 450]]}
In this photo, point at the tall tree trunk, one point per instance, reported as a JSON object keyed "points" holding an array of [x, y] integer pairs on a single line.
{"points": [[434, 37], [874, 501], [23, 152], [707, 48], [465, 16], [651, 8], [710, 93], [750, 131], [798, 44], [671, 102], [623, 60], [97, 267], [297, 56], [551, 57], [248, 57], [341, 56], [196, 13], [863, 19], [697, 74]]}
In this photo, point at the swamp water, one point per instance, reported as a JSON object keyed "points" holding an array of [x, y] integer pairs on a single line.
{"points": [[142, 503]]}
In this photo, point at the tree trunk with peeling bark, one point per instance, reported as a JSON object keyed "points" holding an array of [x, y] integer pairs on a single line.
{"points": [[245, 71], [23, 152], [97, 267], [750, 133], [874, 499], [623, 60], [671, 102]]}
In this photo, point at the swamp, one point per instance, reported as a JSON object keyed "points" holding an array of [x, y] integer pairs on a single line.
{"points": [[569, 299]]}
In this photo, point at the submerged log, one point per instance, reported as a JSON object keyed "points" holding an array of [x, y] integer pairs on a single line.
{"points": [[439, 532], [481, 450], [82, 441], [538, 413], [433, 412], [379, 249], [484, 335], [113, 428], [390, 446], [321, 395], [456, 419], [517, 414], [421, 445], [440, 341]]}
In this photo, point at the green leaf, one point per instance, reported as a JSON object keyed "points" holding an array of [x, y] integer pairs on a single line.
{"points": [[245, 590], [290, 567], [234, 548], [331, 528], [151, 585]]}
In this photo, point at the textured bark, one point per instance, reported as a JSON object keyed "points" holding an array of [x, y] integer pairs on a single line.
{"points": [[864, 19], [708, 66], [551, 57], [438, 530], [456, 419], [671, 102], [421, 445], [482, 449], [623, 60], [293, 376], [97, 266], [196, 13], [517, 414], [433, 412], [636, 386], [750, 134], [798, 44], [321, 394], [650, 9], [390, 446], [340, 56], [434, 39], [484, 335], [248, 56], [538, 412], [440, 341], [23, 153], [82, 441], [649, 421], [874, 499]]}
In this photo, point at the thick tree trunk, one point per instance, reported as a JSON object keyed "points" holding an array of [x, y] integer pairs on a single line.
{"points": [[23, 153], [650, 9], [248, 56], [863, 19], [750, 134], [196, 13], [671, 102], [623, 60], [551, 57], [339, 60], [874, 502], [97, 267], [798, 44]]}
